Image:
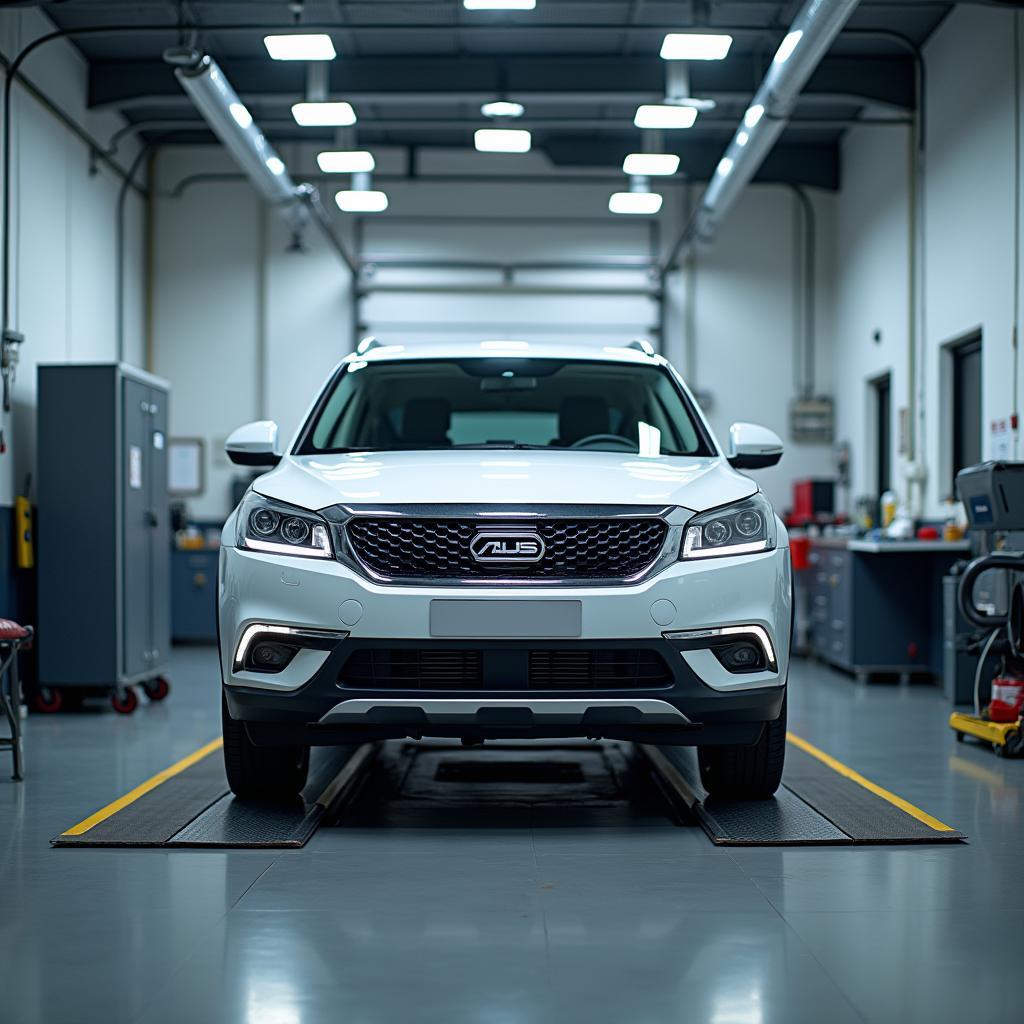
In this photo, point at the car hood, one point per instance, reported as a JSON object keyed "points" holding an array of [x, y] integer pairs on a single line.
{"points": [[497, 477]]}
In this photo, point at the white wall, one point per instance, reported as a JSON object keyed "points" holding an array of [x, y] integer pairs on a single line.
{"points": [[748, 317], [969, 258], [63, 224], [243, 328], [210, 303]]}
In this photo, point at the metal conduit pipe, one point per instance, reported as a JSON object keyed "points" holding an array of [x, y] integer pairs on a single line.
{"points": [[808, 39], [229, 119]]}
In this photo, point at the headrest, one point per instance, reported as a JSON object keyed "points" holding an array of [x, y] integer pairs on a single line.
{"points": [[426, 421], [582, 415]]}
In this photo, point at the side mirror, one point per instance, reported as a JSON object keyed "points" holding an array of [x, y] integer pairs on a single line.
{"points": [[753, 447], [255, 444]]}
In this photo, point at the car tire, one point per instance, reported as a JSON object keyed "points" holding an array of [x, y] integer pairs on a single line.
{"points": [[735, 772], [261, 773]]}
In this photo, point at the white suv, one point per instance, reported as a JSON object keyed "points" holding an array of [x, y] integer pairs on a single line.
{"points": [[504, 539]]}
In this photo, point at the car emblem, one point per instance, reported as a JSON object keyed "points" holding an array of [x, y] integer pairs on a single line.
{"points": [[507, 546]]}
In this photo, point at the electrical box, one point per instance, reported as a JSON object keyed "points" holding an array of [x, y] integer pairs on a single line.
{"points": [[103, 526], [811, 420]]}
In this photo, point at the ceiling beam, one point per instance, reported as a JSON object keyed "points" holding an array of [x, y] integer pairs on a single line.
{"points": [[812, 164], [885, 81]]}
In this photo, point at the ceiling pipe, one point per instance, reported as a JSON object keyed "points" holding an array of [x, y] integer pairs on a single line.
{"points": [[229, 119], [809, 37]]}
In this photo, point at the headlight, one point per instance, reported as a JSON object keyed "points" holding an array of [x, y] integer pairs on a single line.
{"points": [[265, 525], [739, 529]]}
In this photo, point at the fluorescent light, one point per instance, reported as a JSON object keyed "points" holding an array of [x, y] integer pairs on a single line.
{"points": [[275, 165], [663, 115], [241, 114], [319, 115], [359, 201], [695, 46], [724, 166], [499, 5], [650, 164], [502, 108], [787, 46], [742, 137], [753, 115], [221, 108], [502, 140], [300, 46], [635, 202], [345, 161]]}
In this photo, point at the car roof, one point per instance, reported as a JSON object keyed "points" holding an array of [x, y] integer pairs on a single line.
{"points": [[371, 350]]}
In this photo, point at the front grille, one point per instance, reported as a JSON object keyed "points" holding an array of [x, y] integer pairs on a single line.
{"points": [[438, 549], [504, 669], [638, 669], [388, 669]]}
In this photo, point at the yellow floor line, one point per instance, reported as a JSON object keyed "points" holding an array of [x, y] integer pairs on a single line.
{"points": [[849, 773], [150, 784]]}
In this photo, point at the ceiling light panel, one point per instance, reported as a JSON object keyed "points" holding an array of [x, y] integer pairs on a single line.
{"points": [[319, 115], [657, 164], [635, 203], [499, 5], [695, 46], [502, 140], [345, 161], [360, 201], [502, 108], [664, 115], [300, 46]]}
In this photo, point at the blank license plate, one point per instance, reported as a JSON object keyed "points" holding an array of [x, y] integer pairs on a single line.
{"points": [[496, 619]]}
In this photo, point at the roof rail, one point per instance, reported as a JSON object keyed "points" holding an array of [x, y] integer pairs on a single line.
{"points": [[642, 345], [368, 343]]}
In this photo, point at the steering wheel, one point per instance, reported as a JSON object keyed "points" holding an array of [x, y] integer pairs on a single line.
{"points": [[592, 439]]}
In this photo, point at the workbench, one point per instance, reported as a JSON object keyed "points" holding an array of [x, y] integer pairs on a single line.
{"points": [[876, 606]]}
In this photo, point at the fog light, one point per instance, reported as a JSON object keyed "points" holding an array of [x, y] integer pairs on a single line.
{"points": [[267, 656], [743, 656]]}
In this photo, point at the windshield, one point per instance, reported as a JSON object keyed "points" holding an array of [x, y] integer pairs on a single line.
{"points": [[503, 403]]}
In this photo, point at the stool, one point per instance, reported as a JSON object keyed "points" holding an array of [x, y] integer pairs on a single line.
{"points": [[12, 638]]}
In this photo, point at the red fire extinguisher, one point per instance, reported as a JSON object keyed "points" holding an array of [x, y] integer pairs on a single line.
{"points": [[1007, 701]]}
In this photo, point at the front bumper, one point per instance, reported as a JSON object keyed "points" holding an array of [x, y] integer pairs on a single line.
{"points": [[702, 702]]}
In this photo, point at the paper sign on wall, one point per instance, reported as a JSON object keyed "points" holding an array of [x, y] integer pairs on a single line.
{"points": [[135, 467], [1001, 439]]}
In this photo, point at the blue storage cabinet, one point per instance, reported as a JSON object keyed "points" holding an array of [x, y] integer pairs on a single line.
{"points": [[194, 595]]}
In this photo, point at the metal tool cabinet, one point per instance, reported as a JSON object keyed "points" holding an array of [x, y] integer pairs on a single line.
{"points": [[104, 532], [876, 607]]}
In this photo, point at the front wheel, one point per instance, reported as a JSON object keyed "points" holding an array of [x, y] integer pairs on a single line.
{"points": [[261, 773], [735, 772]]}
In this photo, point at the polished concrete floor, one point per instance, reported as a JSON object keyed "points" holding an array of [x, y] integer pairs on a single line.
{"points": [[595, 911]]}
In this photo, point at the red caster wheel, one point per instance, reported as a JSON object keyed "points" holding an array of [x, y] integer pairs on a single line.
{"points": [[157, 689], [125, 702], [47, 700]]}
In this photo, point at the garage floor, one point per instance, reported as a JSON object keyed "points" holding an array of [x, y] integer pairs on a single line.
{"points": [[596, 912]]}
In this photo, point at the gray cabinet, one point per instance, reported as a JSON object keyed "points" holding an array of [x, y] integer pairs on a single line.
{"points": [[103, 525], [877, 611]]}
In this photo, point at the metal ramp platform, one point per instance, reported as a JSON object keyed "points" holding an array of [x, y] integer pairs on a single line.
{"points": [[821, 801], [438, 784], [194, 807]]}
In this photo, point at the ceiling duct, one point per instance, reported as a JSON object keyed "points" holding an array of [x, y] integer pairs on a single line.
{"points": [[808, 39]]}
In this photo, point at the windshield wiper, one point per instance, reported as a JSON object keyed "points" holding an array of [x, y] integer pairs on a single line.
{"points": [[500, 445]]}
